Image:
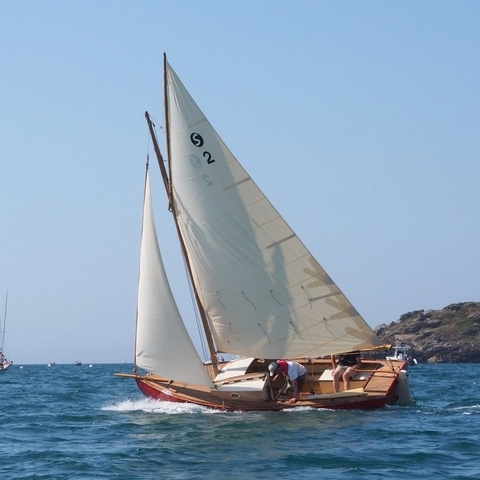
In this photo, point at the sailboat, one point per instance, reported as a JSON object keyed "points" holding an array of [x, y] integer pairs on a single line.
{"points": [[260, 294], [4, 362]]}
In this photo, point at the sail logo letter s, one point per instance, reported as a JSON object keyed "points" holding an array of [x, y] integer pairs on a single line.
{"points": [[197, 139]]}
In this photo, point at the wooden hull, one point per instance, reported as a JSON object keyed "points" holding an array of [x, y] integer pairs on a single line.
{"points": [[376, 385]]}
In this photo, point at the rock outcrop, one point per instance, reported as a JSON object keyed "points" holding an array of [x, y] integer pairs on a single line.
{"points": [[449, 335]]}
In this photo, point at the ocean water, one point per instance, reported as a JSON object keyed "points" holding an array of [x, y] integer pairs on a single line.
{"points": [[81, 422]]}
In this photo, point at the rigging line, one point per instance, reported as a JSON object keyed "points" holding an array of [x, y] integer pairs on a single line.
{"points": [[249, 300], [271, 293], [154, 122], [296, 331], [197, 317], [201, 334], [160, 159], [266, 334], [325, 321], [309, 297], [219, 301], [230, 328], [154, 125]]}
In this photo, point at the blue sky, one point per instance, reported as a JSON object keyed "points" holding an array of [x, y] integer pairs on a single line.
{"points": [[359, 120]]}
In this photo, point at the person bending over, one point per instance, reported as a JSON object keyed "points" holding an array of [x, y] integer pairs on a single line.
{"points": [[296, 373]]}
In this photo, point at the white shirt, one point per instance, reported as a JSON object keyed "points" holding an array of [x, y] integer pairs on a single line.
{"points": [[295, 370]]}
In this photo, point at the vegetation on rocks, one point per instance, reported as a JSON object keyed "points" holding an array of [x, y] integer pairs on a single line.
{"points": [[449, 335]]}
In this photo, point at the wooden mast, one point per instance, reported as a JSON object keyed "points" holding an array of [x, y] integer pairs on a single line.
{"points": [[168, 187]]}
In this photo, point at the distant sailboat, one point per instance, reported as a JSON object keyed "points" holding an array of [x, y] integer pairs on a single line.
{"points": [[260, 294], [4, 362]]}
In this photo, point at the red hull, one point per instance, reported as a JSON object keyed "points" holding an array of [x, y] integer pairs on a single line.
{"points": [[367, 404], [378, 384]]}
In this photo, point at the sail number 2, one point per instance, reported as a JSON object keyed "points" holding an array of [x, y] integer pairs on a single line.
{"points": [[198, 141]]}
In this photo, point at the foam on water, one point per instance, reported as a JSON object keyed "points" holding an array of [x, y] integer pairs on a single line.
{"points": [[149, 405]]}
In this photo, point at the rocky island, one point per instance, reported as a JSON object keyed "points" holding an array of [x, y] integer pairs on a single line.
{"points": [[449, 335]]}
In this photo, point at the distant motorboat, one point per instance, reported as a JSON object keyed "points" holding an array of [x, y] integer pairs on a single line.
{"points": [[52, 364], [77, 362], [402, 352]]}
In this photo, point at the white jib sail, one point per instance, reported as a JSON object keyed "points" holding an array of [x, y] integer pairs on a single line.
{"points": [[163, 345], [264, 293]]}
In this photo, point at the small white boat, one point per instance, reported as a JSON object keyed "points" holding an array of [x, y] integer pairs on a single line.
{"points": [[402, 353]]}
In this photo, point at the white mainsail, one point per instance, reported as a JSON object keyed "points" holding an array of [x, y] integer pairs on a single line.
{"points": [[162, 345], [263, 292]]}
